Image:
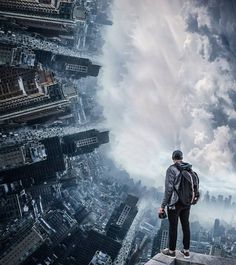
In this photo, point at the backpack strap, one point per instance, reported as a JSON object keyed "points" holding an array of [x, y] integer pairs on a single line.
{"points": [[192, 186], [179, 176], [196, 177]]}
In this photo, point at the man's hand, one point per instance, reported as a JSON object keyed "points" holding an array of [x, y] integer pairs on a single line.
{"points": [[160, 210]]}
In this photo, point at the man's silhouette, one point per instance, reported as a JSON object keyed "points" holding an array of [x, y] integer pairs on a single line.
{"points": [[175, 209]]}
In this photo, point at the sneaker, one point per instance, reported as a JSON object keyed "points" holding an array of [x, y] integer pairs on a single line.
{"points": [[186, 254], [167, 252]]}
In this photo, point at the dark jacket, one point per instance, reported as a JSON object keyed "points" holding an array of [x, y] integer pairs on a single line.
{"points": [[172, 182]]}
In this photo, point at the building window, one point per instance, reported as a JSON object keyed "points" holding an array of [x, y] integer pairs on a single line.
{"points": [[77, 68], [123, 215], [87, 141]]}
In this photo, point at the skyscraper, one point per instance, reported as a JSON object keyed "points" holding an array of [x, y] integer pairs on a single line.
{"points": [[20, 155], [101, 258], [22, 82], [38, 106], [104, 243], [122, 218], [29, 94], [16, 56], [216, 228], [59, 16], [40, 170], [220, 199], [61, 224], [207, 197], [74, 67], [216, 250], [160, 241], [39, 161], [29, 237], [10, 207], [84, 142]]}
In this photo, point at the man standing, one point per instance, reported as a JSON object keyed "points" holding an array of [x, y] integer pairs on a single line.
{"points": [[175, 208]]}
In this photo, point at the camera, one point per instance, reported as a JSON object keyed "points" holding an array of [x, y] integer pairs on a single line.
{"points": [[162, 215]]}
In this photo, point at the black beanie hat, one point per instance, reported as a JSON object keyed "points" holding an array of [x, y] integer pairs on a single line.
{"points": [[177, 155]]}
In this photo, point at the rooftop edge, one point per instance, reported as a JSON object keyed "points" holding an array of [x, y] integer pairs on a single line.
{"points": [[195, 259]]}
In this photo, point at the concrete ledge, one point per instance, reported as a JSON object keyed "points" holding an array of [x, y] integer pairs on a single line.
{"points": [[195, 259], [161, 259]]}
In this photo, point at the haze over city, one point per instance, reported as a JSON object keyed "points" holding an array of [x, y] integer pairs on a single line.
{"points": [[95, 95], [168, 81]]}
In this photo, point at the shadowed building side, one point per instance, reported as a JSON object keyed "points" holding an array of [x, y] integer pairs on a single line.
{"points": [[41, 170], [84, 142], [37, 162], [160, 240], [69, 66], [61, 16], [122, 218]]}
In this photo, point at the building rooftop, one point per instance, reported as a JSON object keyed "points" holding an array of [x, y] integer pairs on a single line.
{"points": [[195, 259]]}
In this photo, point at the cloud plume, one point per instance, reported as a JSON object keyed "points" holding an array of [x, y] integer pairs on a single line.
{"points": [[168, 81]]}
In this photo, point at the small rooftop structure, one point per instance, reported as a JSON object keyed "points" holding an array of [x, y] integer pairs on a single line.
{"points": [[195, 259]]}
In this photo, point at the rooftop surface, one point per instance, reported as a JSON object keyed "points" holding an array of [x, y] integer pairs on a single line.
{"points": [[195, 259]]}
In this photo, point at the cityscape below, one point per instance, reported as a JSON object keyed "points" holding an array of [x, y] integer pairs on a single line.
{"points": [[62, 199]]}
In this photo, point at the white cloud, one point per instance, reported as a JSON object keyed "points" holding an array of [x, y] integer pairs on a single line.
{"points": [[165, 87]]}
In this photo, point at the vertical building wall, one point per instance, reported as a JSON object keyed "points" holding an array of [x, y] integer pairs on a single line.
{"points": [[122, 218], [10, 207], [160, 241], [84, 142], [19, 251], [42, 170]]}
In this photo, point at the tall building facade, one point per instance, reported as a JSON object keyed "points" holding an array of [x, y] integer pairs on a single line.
{"points": [[40, 170], [26, 241], [160, 241], [97, 241], [216, 250], [216, 228], [60, 223], [41, 160], [10, 207], [74, 67], [21, 82], [29, 94], [101, 258], [122, 218], [84, 142], [61, 16], [16, 56], [49, 102], [53, 226], [21, 155], [71, 67]]}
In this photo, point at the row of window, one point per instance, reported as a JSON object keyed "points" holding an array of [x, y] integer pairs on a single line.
{"points": [[87, 141], [31, 7], [164, 239], [28, 243], [123, 215], [23, 103], [77, 68]]}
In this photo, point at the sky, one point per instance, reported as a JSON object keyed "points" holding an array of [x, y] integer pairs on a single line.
{"points": [[168, 82]]}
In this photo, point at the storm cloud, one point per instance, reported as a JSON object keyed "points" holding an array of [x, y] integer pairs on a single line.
{"points": [[168, 81]]}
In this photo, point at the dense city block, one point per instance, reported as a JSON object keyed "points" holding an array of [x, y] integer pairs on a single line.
{"points": [[62, 199]]}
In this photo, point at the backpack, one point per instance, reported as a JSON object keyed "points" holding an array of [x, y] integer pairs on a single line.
{"points": [[188, 191]]}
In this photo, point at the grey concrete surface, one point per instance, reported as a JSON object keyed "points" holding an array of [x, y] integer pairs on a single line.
{"points": [[195, 259]]}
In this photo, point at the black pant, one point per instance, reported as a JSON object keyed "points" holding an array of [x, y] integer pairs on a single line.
{"points": [[181, 211]]}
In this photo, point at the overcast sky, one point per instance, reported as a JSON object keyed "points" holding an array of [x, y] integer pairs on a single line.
{"points": [[168, 81]]}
